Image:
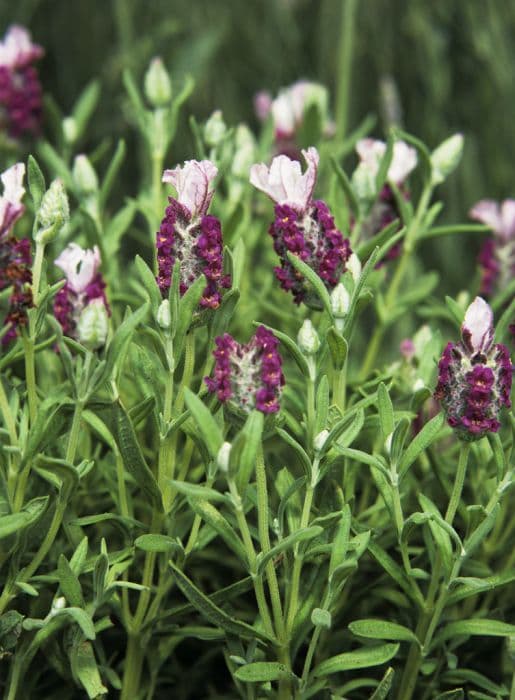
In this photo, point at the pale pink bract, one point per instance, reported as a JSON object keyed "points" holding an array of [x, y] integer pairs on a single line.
{"points": [[80, 266], [11, 207], [192, 183], [477, 330], [404, 158]]}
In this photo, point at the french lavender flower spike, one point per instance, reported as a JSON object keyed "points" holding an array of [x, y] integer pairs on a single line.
{"points": [[303, 227], [190, 235], [84, 286], [475, 376], [248, 376], [497, 255]]}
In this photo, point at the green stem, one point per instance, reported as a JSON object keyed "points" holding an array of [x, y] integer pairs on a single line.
{"points": [[264, 538], [132, 668], [36, 271], [311, 410], [345, 51], [340, 387], [297, 561], [30, 376], [10, 424]]}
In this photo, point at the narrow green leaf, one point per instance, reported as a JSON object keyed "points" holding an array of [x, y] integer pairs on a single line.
{"points": [[36, 180], [69, 582], [306, 533], [346, 186], [112, 172], [299, 450], [262, 671], [208, 427], [212, 612], [17, 522], [384, 687], [322, 404], [156, 543], [385, 407], [338, 347], [198, 491], [122, 337], [340, 542], [315, 281], [242, 459], [425, 437], [476, 628], [84, 667], [465, 675], [85, 105], [81, 618], [353, 660], [381, 629], [216, 520]]}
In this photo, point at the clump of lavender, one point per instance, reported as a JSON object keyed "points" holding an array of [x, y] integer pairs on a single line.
{"points": [[15, 256], [497, 256], [190, 235], [248, 376], [20, 89], [302, 226], [385, 209], [475, 376], [288, 110], [83, 293]]}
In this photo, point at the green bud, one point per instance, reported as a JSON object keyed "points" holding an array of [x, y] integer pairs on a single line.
{"points": [[215, 129], [354, 267], [222, 458], [308, 339], [445, 158], [53, 213], [163, 316], [320, 440], [340, 301], [84, 175], [157, 84], [70, 130], [92, 325]]}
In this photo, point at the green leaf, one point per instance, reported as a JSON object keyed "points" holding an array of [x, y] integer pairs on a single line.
{"points": [[338, 347], [322, 404], [212, 612], [84, 668], [36, 180], [346, 186], [440, 535], [29, 514], [470, 586], [380, 629], [299, 450], [85, 106], [116, 227], [156, 543], [305, 533], [453, 230], [476, 628], [216, 520], [385, 407], [208, 427], [69, 582], [353, 660], [188, 305], [242, 458], [383, 689], [81, 618], [116, 349], [340, 542], [112, 172], [55, 163], [465, 675], [315, 281], [424, 438], [455, 694], [262, 671], [198, 491]]}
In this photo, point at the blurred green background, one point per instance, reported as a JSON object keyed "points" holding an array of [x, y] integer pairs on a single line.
{"points": [[448, 64]]}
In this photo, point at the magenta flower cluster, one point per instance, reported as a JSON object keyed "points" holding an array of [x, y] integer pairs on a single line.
{"points": [[84, 285], [249, 376], [475, 376], [302, 226], [15, 255], [20, 89], [190, 235]]}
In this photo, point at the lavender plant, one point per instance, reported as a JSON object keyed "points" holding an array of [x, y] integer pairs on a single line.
{"points": [[291, 516]]}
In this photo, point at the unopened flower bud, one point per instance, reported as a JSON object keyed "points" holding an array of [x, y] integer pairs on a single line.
{"points": [[53, 213], [84, 175], [70, 130], [308, 339], [354, 267], [320, 440], [164, 317], [222, 458], [157, 85], [340, 301], [445, 158], [57, 605], [215, 129], [92, 325], [388, 443]]}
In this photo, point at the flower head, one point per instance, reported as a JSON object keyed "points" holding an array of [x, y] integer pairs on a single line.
{"points": [[11, 207], [20, 90], [248, 376], [497, 256], [190, 235], [475, 376], [302, 226], [404, 159], [84, 285]]}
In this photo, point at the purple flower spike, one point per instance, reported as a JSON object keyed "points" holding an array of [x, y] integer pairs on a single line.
{"points": [[249, 376], [190, 235], [84, 284], [20, 90], [302, 226], [15, 257], [497, 256], [475, 376]]}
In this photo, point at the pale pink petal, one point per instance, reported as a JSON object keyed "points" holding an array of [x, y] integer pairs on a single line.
{"points": [[11, 207], [370, 152], [262, 104], [283, 115], [192, 182], [17, 48], [80, 266], [508, 219], [404, 160], [477, 330], [488, 212]]}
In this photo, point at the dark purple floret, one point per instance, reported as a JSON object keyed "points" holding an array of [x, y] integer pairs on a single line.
{"points": [[314, 238], [248, 375], [68, 305], [489, 266], [473, 387], [20, 100], [15, 273], [198, 245]]}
